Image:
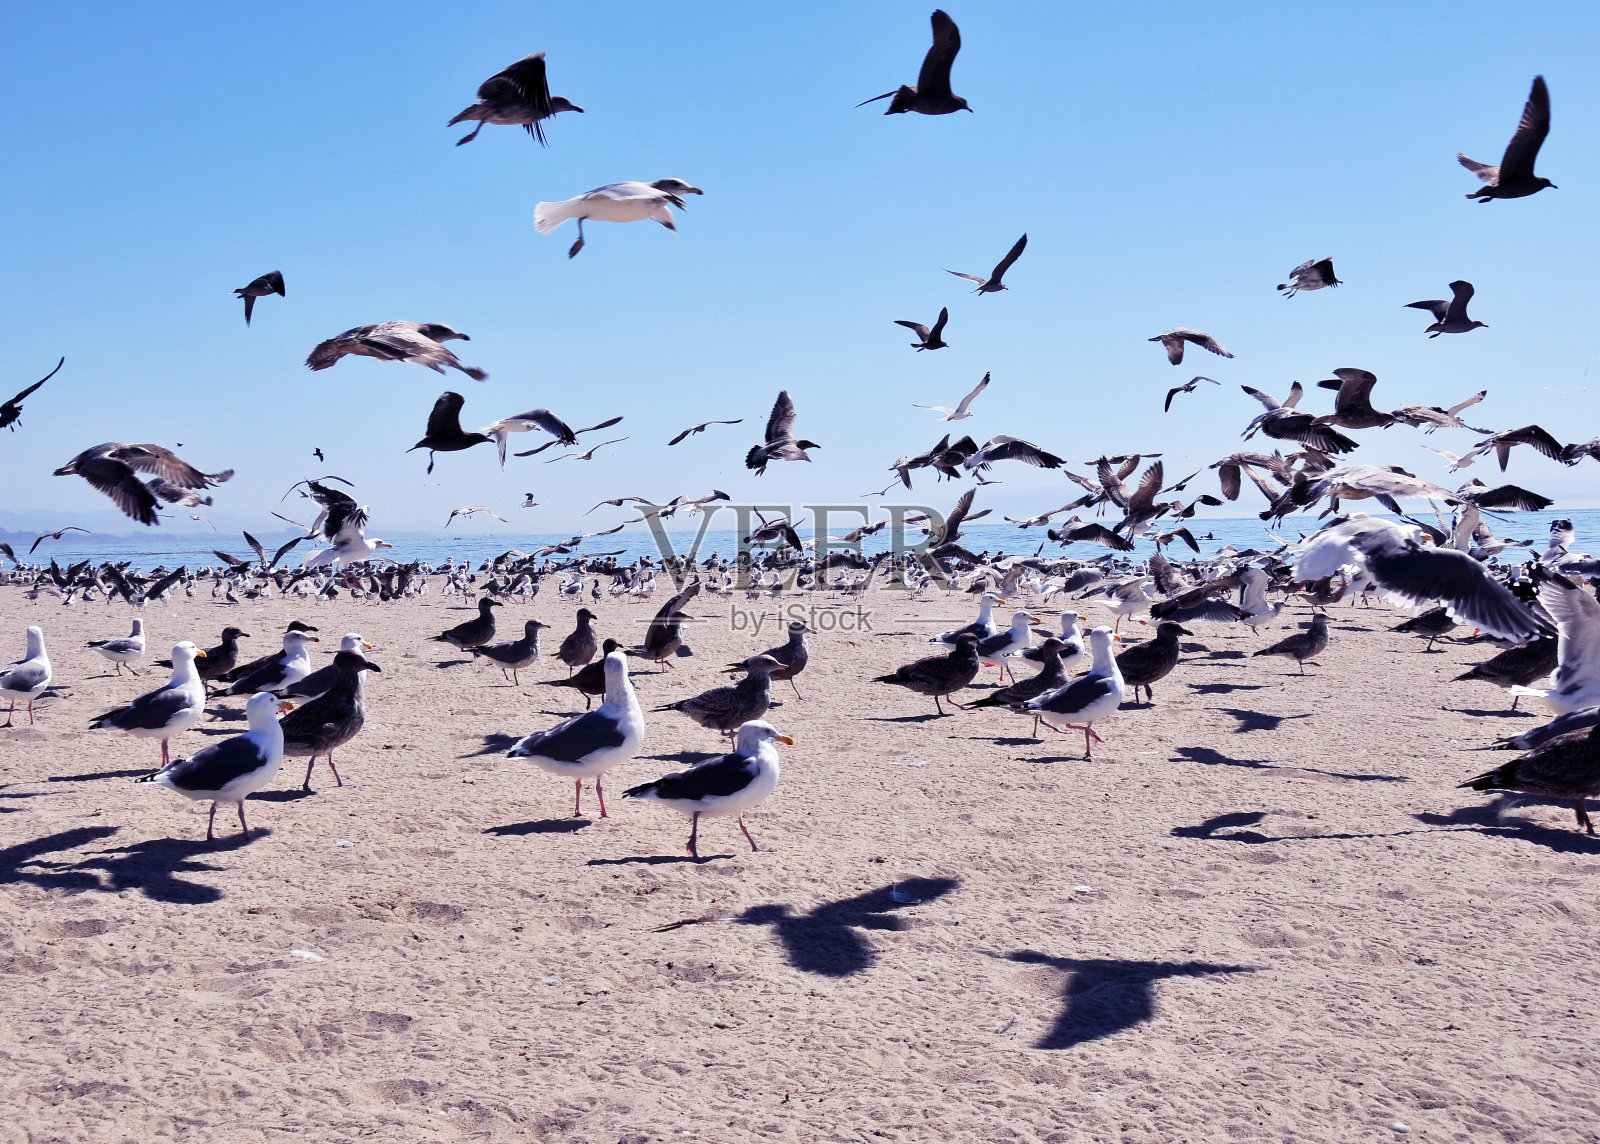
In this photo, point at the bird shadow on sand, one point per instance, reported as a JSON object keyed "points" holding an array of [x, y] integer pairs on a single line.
{"points": [[225, 715], [826, 941], [494, 743], [24, 863], [1257, 720], [1506, 713], [293, 794], [658, 860], [451, 662], [1211, 830], [1228, 655], [18, 794], [908, 718], [152, 867], [1106, 996], [1208, 757], [539, 826], [686, 758], [91, 776], [1225, 688], [1486, 819], [1006, 741]]}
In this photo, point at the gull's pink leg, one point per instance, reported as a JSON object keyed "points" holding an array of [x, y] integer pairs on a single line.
{"points": [[243, 827], [334, 769], [307, 784], [600, 793], [577, 798], [747, 837], [211, 821]]}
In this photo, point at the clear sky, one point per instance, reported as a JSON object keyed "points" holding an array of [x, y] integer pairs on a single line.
{"points": [[1169, 162]]}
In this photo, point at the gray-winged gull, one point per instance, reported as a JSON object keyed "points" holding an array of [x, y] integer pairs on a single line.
{"points": [[726, 785], [232, 770]]}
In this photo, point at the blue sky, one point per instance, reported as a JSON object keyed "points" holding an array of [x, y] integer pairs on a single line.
{"points": [[1170, 163]]}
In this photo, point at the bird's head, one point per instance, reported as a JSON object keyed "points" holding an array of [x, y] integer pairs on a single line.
{"points": [[559, 103], [439, 332], [676, 187], [1544, 182], [962, 104]]}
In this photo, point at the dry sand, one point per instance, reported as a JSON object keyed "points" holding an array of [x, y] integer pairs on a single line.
{"points": [[1263, 912]]}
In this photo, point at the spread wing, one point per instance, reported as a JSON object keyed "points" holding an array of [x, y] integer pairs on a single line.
{"points": [[1529, 137], [1011, 256], [523, 82], [979, 388], [780, 424], [119, 482], [165, 464], [445, 420], [934, 78]]}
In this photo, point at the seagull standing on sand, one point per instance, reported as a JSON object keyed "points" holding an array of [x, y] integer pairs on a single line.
{"points": [[994, 282], [321, 681], [589, 745], [519, 96], [1082, 703], [515, 655], [28, 677], [1566, 767], [269, 283], [616, 202], [932, 94], [418, 342], [333, 718], [939, 675], [290, 666], [1312, 275], [473, 633], [167, 711], [1301, 646], [127, 650], [232, 770], [1150, 662], [983, 627], [1514, 177], [726, 785], [725, 709], [959, 413], [1174, 341]]}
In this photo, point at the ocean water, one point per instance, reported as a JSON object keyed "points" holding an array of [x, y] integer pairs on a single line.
{"points": [[153, 547]]}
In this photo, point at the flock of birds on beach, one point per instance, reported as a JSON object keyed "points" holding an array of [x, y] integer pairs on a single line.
{"points": [[1541, 614]]}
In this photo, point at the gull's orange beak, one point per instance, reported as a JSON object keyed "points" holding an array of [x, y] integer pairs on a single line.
{"points": [[1034, 620], [366, 645], [786, 740], [199, 654], [285, 708]]}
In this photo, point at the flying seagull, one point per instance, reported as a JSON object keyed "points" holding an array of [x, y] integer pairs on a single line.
{"points": [[928, 338], [445, 434], [701, 428], [616, 202], [1173, 341], [396, 341], [1312, 275], [11, 411], [42, 537], [112, 468], [959, 413], [932, 95], [468, 510], [1449, 317], [1186, 387], [587, 454], [606, 424], [269, 283], [517, 97], [540, 418], [780, 442], [993, 283], [1514, 177]]}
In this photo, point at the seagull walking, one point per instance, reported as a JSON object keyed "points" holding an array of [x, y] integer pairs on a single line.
{"points": [[726, 785], [232, 770]]}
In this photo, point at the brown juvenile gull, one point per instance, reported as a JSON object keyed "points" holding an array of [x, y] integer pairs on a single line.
{"points": [[615, 202], [519, 96], [1173, 341], [939, 675], [1311, 275], [780, 444], [1449, 317], [111, 468], [932, 94], [1352, 406], [579, 647], [333, 718], [1567, 767], [1431, 624], [1053, 677], [11, 411], [791, 657], [269, 283], [444, 433], [928, 337], [1301, 646], [960, 412], [417, 342], [993, 283], [1146, 663], [1514, 177], [726, 709], [473, 633], [1287, 423]]}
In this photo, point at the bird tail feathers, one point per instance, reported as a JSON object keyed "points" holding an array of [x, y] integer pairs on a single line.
{"points": [[548, 216]]}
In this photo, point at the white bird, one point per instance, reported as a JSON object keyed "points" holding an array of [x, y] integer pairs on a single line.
{"points": [[470, 509], [726, 785], [1256, 609], [166, 711], [232, 770], [1576, 685], [525, 422], [343, 524], [983, 627], [616, 202], [127, 650], [1086, 701], [588, 745], [959, 413], [287, 667], [28, 677]]}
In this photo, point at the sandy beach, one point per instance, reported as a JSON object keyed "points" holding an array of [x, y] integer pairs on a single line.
{"points": [[1263, 912]]}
